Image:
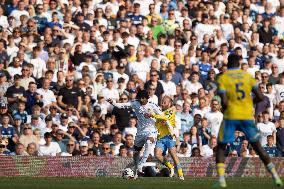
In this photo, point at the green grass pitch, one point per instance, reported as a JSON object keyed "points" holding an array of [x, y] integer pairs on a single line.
{"points": [[119, 183]]}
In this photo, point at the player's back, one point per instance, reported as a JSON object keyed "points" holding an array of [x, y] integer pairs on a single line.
{"points": [[162, 125], [238, 85]]}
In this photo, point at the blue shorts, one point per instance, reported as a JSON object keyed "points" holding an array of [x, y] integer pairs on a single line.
{"points": [[165, 143], [228, 128]]}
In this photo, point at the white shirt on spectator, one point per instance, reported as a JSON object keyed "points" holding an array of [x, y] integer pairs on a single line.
{"points": [[279, 92], [39, 67], [50, 150], [192, 87], [139, 68], [206, 151], [4, 21], [130, 130], [48, 96], [214, 121], [202, 112], [265, 130], [279, 62], [88, 47], [154, 99], [13, 71], [110, 93], [169, 88], [17, 14], [117, 75]]}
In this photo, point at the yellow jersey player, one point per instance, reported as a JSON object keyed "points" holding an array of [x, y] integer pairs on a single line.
{"points": [[235, 87], [165, 125]]}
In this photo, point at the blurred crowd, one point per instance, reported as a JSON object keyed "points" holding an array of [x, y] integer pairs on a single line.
{"points": [[60, 60]]}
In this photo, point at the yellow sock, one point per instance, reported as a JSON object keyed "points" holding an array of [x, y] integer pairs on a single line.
{"points": [[221, 169], [168, 165], [179, 172]]}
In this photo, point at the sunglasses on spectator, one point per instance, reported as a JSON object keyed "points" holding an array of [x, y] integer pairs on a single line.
{"points": [[123, 99], [26, 128], [70, 144], [109, 81], [2, 146], [153, 75], [105, 148]]}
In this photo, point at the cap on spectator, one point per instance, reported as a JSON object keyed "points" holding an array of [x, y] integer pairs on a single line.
{"points": [[120, 65], [84, 143], [64, 116], [3, 105], [34, 116], [183, 145], [17, 117], [16, 77], [47, 135], [113, 126], [97, 108]]}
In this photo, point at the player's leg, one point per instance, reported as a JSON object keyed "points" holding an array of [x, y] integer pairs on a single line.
{"points": [[138, 145], [226, 135], [173, 153], [253, 136], [160, 152], [149, 144]]}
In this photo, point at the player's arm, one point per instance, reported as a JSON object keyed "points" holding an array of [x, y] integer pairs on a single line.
{"points": [[224, 100], [160, 117], [120, 105], [222, 92]]}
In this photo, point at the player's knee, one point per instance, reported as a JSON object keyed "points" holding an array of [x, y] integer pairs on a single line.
{"points": [[158, 153]]}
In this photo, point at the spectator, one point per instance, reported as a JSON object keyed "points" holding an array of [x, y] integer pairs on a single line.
{"points": [[32, 149], [28, 136], [270, 147], [19, 150], [69, 95], [184, 150], [49, 148], [266, 128]]}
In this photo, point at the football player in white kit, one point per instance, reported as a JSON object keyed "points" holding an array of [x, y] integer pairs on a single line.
{"points": [[146, 130]]}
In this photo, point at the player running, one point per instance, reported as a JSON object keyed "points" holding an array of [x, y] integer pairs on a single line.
{"points": [[166, 137], [146, 130], [235, 87]]}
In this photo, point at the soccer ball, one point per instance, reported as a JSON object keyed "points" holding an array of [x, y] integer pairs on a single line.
{"points": [[127, 174]]}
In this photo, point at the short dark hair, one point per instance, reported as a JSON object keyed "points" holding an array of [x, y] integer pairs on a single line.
{"points": [[234, 61]]}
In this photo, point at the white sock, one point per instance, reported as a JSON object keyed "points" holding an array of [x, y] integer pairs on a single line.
{"points": [[146, 153]]}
